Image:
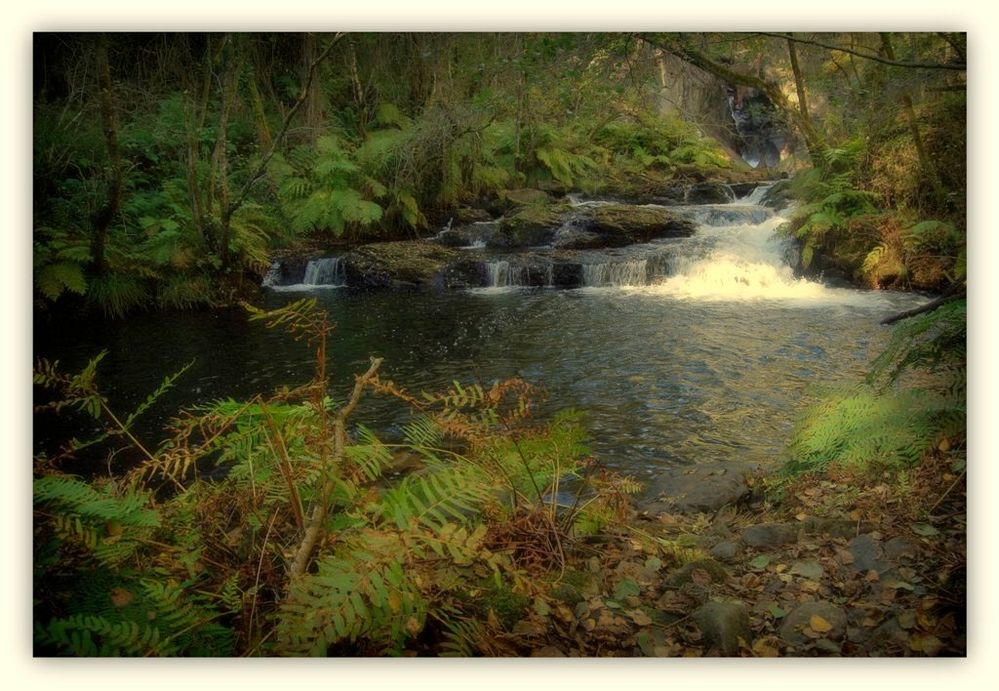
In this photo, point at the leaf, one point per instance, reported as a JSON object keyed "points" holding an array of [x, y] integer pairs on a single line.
{"points": [[768, 646], [626, 588], [924, 529], [759, 562], [819, 624], [640, 617], [776, 612]]}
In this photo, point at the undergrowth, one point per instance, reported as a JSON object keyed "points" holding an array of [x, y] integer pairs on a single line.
{"points": [[273, 527]]}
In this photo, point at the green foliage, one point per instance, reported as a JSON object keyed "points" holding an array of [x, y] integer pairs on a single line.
{"points": [[865, 429]]}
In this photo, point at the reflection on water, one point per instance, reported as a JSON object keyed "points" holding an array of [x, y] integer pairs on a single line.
{"points": [[664, 379]]}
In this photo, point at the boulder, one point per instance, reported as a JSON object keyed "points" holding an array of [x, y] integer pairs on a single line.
{"points": [[410, 264], [725, 626], [524, 197], [467, 214], [703, 487], [725, 551], [572, 237], [709, 193], [625, 224], [531, 226], [778, 196]]}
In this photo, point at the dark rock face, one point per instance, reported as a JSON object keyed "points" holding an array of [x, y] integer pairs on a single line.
{"points": [[573, 237], [797, 624], [466, 215], [397, 264], [723, 625], [762, 137], [465, 273], [625, 224], [705, 487], [530, 227]]}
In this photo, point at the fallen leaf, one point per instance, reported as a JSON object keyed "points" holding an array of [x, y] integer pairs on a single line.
{"points": [[768, 646], [819, 624], [924, 529], [640, 617], [776, 612], [121, 597], [759, 562], [542, 608], [700, 577]]}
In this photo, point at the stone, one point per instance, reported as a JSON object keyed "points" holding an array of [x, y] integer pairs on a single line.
{"points": [[705, 487], [725, 551], [524, 197], [573, 238], [397, 264], [467, 214], [623, 224], [770, 534], [798, 619], [778, 196], [867, 554], [709, 193], [724, 625], [530, 226], [807, 568]]}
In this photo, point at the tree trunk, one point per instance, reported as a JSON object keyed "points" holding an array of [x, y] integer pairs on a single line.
{"points": [[313, 106], [220, 156], [799, 84], [105, 214], [925, 164]]}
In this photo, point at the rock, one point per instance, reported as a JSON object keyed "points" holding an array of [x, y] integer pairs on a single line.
{"points": [[398, 264], [692, 572], [574, 238], [701, 488], [808, 568], [743, 189], [770, 534], [465, 273], [778, 196], [867, 554], [709, 193], [724, 624], [529, 227], [524, 197], [624, 224], [793, 630], [467, 214], [725, 551]]}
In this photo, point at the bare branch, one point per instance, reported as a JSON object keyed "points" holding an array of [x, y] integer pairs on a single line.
{"points": [[960, 67]]}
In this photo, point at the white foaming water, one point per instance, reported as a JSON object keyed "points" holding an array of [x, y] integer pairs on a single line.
{"points": [[634, 273], [322, 273], [747, 263]]}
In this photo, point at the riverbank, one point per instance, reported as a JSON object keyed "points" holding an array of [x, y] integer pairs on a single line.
{"points": [[833, 564]]}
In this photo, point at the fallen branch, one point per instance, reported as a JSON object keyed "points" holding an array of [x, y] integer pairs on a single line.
{"points": [[955, 292], [315, 526]]}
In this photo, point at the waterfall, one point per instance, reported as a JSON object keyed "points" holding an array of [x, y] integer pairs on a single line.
{"points": [[756, 196], [633, 273], [501, 274], [326, 271]]}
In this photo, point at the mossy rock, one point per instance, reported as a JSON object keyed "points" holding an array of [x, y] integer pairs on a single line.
{"points": [[531, 226], [623, 224], [524, 197], [411, 264], [575, 587]]}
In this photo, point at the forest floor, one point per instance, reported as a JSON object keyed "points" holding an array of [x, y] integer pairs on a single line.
{"points": [[835, 564]]}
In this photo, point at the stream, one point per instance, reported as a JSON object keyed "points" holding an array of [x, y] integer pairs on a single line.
{"points": [[678, 351]]}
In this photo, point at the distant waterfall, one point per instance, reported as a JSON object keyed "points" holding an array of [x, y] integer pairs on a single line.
{"points": [[326, 271]]}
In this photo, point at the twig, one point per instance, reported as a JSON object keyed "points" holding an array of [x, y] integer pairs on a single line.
{"points": [[955, 292], [948, 490]]}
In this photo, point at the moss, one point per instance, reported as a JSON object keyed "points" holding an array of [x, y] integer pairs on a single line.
{"points": [[530, 226], [398, 264], [574, 587]]}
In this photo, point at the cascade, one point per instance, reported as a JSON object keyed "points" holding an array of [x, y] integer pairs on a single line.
{"points": [[628, 273], [326, 271]]}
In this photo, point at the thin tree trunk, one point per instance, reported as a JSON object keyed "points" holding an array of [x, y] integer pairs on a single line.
{"points": [[799, 83], [220, 156], [313, 107], [924, 160], [106, 213]]}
